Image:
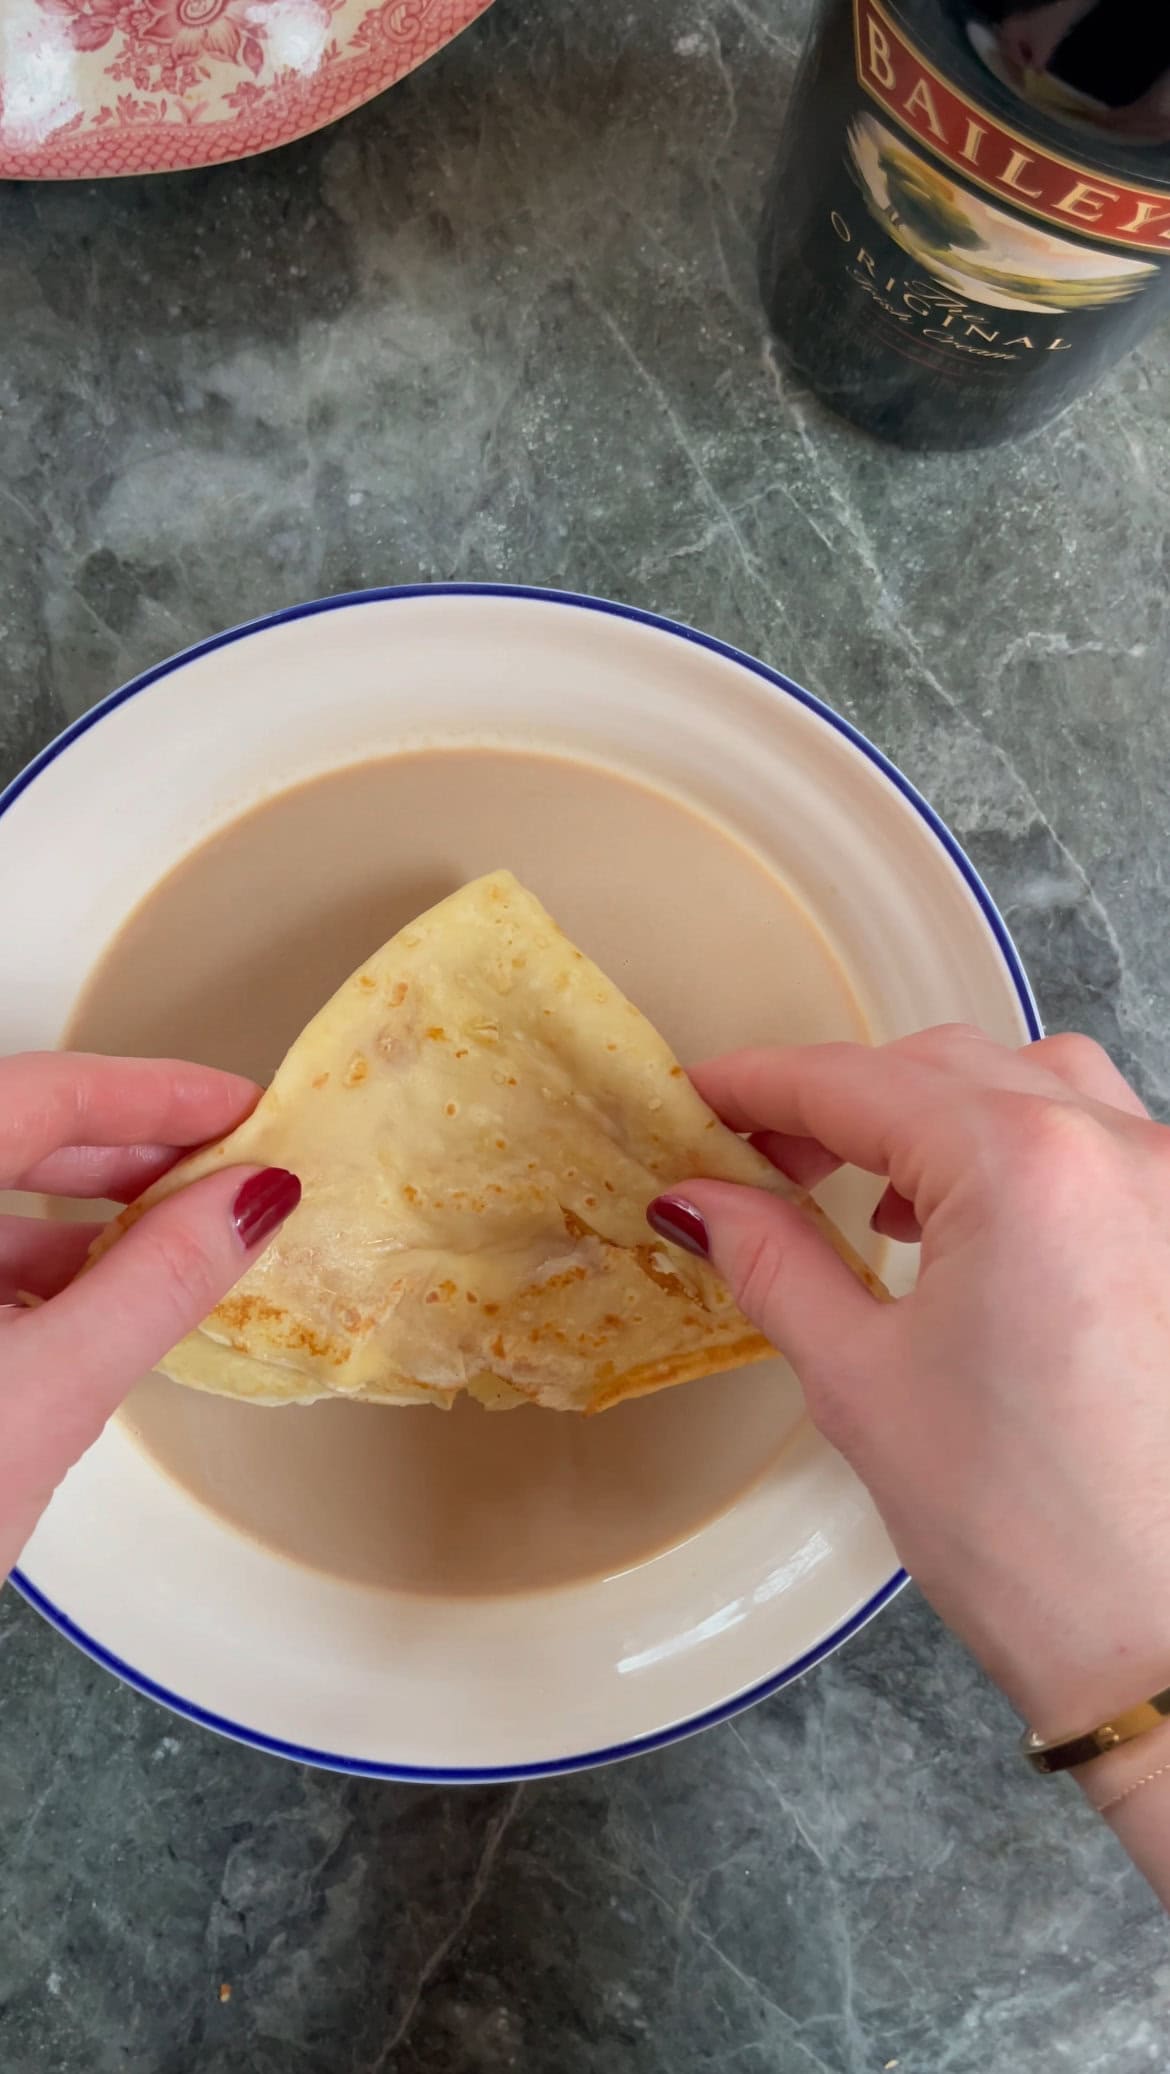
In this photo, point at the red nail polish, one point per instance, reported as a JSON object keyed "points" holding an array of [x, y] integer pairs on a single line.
{"points": [[263, 1203], [681, 1223]]}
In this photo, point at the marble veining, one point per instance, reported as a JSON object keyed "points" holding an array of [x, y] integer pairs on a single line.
{"points": [[502, 324]]}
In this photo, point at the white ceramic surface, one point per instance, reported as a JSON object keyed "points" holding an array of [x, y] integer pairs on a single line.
{"points": [[157, 1588]]}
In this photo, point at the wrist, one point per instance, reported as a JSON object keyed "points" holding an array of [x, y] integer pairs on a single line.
{"points": [[1130, 1789], [1070, 1695], [1109, 1781]]}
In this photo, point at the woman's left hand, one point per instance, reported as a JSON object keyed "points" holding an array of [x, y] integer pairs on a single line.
{"points": [[80, 1125]]}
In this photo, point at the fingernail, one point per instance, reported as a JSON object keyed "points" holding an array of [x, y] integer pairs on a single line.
{"points": [[681, 1223], [263, 1203]]}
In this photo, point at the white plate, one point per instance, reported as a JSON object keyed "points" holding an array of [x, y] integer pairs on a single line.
{"points": [[399, 1686]]}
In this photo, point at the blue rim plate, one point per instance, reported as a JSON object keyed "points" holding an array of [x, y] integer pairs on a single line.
{"points": [[661, 1738]]}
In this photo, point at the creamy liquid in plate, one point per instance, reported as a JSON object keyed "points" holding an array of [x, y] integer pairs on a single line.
{"points": [[229, 957]]}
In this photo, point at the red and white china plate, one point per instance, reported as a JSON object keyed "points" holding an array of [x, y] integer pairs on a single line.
{"points": [[94, 88]]}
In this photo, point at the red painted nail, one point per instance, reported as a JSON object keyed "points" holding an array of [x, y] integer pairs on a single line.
{"points": [[681, 1223], [262, 1205]]}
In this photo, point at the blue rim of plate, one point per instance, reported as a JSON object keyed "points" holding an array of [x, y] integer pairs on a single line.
{"points": [[658, 1739]]}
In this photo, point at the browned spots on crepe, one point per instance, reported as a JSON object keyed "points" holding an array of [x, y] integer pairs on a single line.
{"points": [[244, 1309], [565, 1277], [665, 1277], [673, 1368]]}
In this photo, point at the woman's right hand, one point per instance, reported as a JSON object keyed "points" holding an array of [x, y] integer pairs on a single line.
{"points": [[1011, 1416]]}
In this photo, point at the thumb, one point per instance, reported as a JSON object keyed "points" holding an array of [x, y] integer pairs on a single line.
{"points": [[84, 1350], [783, 1275]]}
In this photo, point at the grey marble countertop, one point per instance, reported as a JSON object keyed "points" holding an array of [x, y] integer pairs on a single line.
{"points": [[503, 324]]}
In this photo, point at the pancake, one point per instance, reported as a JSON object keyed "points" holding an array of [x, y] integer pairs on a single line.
{"points": [[478, 1119]]}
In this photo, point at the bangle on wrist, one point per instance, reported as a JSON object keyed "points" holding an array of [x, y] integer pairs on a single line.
{"points": [[1062, 1753]]}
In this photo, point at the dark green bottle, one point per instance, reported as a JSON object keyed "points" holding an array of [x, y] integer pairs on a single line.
{"points": [[969, 219]]}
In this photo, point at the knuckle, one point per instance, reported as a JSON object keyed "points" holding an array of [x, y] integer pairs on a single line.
{"points": [[758, 1272], [1071, 1053], [1058, 1146], [940, 1044], [182, 1270], [1155, 1139]]}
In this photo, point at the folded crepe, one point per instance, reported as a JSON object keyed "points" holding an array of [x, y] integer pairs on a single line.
{"points": [[479, 1119]]}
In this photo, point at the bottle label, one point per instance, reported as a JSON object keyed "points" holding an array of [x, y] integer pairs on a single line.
{"points": [[988, 287], [938, 265], [989, 154]]}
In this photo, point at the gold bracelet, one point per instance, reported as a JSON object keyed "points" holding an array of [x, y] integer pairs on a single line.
{"points": [[1063, 1752], [1103, 1806]]}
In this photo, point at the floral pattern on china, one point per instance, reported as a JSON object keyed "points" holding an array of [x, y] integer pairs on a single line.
{"points": [[96, 87]]}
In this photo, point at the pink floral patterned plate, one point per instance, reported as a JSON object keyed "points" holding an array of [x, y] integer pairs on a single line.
{"points": [[90, 88]]}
